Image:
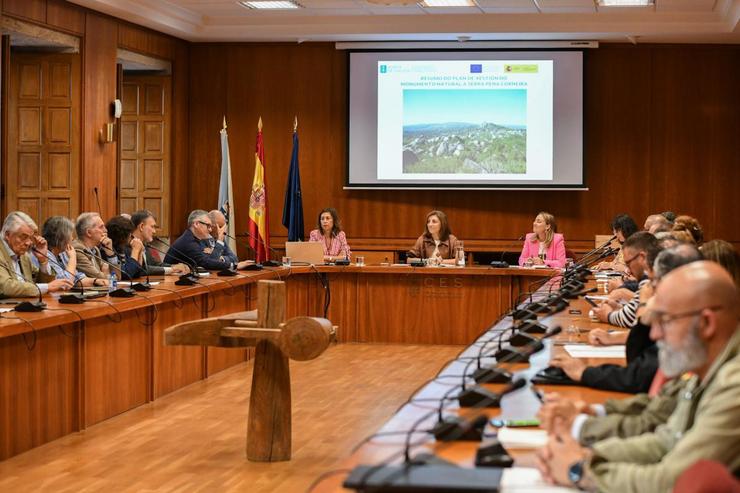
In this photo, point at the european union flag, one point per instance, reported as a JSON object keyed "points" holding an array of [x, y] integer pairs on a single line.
{"points": [[476, 68], [293, 206]]}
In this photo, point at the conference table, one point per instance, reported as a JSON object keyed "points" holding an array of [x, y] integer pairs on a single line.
{"points": [[71, 366], [388, 444]]}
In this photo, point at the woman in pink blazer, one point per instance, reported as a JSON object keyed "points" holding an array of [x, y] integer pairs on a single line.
{"points": [[544, 245]]}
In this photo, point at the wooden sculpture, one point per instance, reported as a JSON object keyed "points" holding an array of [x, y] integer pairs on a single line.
{"points": [[275, 340]]}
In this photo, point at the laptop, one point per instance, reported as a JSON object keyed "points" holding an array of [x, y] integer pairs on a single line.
{"points": [[309, 252]]}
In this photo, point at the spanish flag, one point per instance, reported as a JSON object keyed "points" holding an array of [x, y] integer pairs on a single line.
{"points": [[259, 236]]}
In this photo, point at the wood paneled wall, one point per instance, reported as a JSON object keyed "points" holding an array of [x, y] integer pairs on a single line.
{"points": [[101, 35], [662, 125]]}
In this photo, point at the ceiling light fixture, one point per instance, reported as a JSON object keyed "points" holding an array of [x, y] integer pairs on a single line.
{"points": [[448, 3], [626, 3], [270, 4]]}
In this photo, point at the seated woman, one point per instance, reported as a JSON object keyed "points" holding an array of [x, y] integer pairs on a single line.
{"points": [[58, 231], [331, 236], [127, 247], [437, 242], [544, 246]]}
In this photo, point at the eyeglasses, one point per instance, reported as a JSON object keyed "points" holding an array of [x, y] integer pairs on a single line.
{"points": [[628, 262], [663, 319], [207, 225]]}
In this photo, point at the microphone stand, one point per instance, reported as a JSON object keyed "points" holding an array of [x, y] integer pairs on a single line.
{"points": [[185, 279], [69, 298], [118, 292], [254, 266], [268, 262], [27, 306]]}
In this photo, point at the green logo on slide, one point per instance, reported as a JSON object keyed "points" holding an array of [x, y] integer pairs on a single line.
{"points": [[521, 69]]}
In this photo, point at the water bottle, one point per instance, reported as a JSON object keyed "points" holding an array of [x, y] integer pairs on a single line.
{"points": [[112, 282], [460, 255]]}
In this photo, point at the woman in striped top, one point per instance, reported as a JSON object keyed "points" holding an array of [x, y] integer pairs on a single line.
{"points": [[331, 236]]}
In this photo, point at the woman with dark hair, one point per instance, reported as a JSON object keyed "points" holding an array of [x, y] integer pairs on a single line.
{"points": [[331, 236], [623, 226], [59, 231], [437, 243], [544, 246], [127, 247]]}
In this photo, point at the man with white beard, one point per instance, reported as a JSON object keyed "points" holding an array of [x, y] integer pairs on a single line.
{"points": [[695, 321]]}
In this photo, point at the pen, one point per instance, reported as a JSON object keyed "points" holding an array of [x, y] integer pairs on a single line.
{"points": [[538, 394]]}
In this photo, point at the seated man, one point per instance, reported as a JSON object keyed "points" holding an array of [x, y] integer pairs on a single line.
{"points": [[623, 226], [657, 223], [695, 321], [641, 351], [145, 229], [189, 249], [58, 231], [18, 276], [217, 244], [93, 246]]}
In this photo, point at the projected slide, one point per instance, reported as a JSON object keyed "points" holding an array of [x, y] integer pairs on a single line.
{"points": [[463, 119], [459, 131]]}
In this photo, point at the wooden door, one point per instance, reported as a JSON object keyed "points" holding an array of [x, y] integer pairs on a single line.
{"points": [[43, 160], [144, 171]]}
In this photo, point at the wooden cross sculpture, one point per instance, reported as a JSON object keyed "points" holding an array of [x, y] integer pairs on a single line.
{"points": [[275, 340]]}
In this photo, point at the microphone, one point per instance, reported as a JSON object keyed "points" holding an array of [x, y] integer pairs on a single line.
{"points": [[500, 264], [479, 396], [254, 266], [520, 356], [268, 262], [185, 279], [69, 298], [582, 260], [27, 306], [97, 199], [118, 292]]}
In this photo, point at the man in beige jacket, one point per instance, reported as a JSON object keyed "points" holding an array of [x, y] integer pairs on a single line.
{"points": [[695, 320], [19, 277]]}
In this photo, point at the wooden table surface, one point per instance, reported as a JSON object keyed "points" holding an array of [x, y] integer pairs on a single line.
{"points": [[520, 404], [71, 366]]}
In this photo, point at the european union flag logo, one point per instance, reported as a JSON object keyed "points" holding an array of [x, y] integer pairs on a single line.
{"points": [[383, 69], [476, 68]]}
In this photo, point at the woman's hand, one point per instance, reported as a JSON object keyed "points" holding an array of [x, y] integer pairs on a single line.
{"points": [[537, 261]]}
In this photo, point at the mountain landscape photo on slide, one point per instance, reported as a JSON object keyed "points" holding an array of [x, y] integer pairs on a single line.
{"points": [[465, 131]]}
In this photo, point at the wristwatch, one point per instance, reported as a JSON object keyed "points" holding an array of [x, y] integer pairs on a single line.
{"points": [[575, 473]]}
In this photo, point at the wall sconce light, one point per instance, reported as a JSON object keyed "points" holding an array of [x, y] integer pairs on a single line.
{"points": [[108, 133]]}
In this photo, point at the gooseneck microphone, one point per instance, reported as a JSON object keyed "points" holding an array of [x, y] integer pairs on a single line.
{"points": [[26, 306], [268, 262], [254, 266], [69, 298], [185, 279], [118, 292]]}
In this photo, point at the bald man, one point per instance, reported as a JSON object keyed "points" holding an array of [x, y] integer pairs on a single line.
{"points": [[695, 321], [216, 246]]}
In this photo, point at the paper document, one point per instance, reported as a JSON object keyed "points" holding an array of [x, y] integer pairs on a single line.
{"points": [[127, 284], [588, 351], [526, 480], [3, 310], [522, 438]]}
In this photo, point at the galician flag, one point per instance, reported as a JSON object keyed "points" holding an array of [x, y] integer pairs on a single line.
{"points": [[226, 191], [258, 228]]}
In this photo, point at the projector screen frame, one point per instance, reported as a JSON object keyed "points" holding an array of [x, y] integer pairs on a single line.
{"points": [[502, 187]]}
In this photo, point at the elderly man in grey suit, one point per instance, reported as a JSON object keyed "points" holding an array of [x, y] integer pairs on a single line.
{"points": [[18, 274]]}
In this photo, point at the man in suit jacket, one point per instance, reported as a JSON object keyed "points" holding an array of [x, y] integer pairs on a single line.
{"points": [[189, 247], [18, 275], [145, 229], [695, 320], [92, 245]]}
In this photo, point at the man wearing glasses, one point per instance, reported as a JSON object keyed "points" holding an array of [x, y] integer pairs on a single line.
{"points": [[188, 248], [695, 321]]}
